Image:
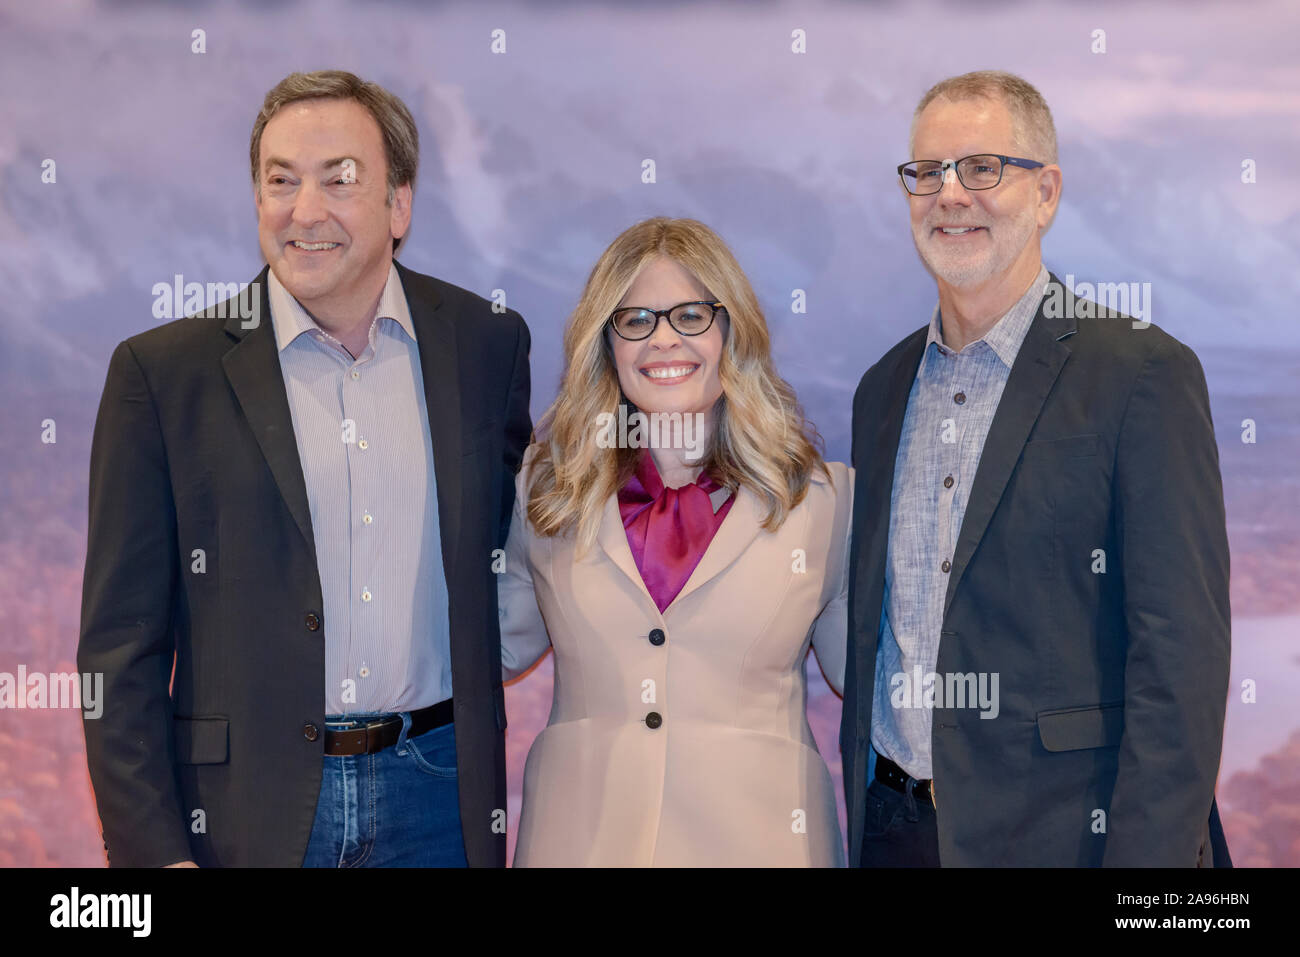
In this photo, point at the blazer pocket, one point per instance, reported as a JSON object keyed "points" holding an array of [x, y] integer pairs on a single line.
{"points": [[1072, 729], [1068, 447], [201, 740]]}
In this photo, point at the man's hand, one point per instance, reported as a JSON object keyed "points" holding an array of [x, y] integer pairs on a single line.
{"points": [[180, 864]]}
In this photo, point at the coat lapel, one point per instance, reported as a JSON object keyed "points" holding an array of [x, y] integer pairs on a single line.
{"points": [[612, 538], [738, 529], [879, 448], [435, 333], [252, 367], [1034, 372]]}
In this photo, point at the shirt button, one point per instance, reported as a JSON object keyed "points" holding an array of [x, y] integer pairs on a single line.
{"points": [[657, 636], [356, 374], [365, 593], [367, 518], [947, 482], [959, 398], [363, 671], [653, 720], [312, 621], [310, 731], [946, 566], [363, 445]]}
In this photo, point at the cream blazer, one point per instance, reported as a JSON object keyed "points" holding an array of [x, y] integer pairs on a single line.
{"points": [[695, 751]]}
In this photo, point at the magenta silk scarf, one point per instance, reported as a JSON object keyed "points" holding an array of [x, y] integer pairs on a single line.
{"points": [[668, 529]]}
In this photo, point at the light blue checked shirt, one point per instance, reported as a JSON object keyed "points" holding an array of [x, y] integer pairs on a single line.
{"points": [[374, 505], [949, 410]]}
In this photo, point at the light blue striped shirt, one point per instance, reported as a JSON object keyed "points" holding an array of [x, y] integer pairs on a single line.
{"points": [[949, 410], [362, 430]]}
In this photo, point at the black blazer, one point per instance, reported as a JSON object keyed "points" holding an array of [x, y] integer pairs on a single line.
{"points": [[194, 448], [1113, 685]]}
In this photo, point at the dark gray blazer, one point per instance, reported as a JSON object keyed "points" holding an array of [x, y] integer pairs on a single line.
{"points": [[1112, 686], [194, 448]]}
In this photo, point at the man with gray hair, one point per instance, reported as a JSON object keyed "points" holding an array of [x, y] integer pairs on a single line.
{"points": [[1039, 515], [294, 501]]}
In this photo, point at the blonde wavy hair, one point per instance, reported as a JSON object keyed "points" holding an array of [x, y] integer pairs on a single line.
{"points": [[760, 438]]}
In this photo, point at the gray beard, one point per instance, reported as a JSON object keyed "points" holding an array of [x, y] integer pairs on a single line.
{"points": [[1015, 235]]}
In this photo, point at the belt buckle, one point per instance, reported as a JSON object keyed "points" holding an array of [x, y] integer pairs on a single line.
{"points": [[365, 727], [377, 724]]}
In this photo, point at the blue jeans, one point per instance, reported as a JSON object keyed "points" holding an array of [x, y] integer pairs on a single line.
{"points": [[395, 808]]}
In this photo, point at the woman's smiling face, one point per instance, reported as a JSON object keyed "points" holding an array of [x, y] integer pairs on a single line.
{"points": [[669, 372]]}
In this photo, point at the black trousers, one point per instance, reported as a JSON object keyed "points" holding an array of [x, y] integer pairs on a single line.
{"points": [[900, 831]]}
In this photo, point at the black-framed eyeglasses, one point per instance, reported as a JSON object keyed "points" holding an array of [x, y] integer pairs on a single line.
{"points": [[687, 318], [978, 171]]}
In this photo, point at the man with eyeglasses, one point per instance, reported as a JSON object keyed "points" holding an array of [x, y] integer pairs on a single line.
{"points": [[1040, 629]]}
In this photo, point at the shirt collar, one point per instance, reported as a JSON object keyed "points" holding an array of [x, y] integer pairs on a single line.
{"points": [[291, 320], [1009, 331]]}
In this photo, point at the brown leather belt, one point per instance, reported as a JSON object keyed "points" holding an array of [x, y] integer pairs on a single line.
{"points": [[892, 776], [382, 731]]}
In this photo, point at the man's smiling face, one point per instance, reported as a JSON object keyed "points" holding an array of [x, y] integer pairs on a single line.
{"points": [[324, 223], [966, 237]]}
